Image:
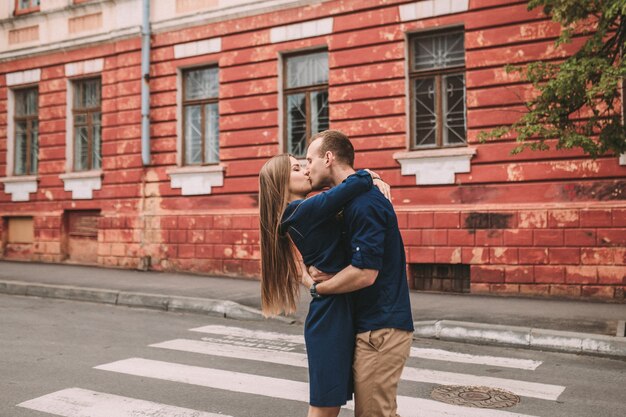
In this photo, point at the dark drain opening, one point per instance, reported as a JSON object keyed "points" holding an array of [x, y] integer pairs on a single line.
{"points": [[440, 277]]}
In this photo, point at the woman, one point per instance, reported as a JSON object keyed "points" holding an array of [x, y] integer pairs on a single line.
{"points": [[288, 218]]}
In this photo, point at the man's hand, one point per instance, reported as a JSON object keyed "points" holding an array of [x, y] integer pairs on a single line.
{"points": [[317, 275], [384, 188], [305, 278]]}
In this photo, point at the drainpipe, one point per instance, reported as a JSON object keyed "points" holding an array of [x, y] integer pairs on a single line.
{"points": [[144, 261], [145, 86]]}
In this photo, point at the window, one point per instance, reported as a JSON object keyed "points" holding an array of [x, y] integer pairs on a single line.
{"points": [[437, 77], [87, 125], [200, 117], [26, 131], [26, 6], [305, 99]]}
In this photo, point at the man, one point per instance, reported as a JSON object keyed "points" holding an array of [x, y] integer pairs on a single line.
{"points": [[377, 273]]}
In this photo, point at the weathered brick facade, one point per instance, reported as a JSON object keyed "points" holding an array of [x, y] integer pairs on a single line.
{"points": [[538, 223]]}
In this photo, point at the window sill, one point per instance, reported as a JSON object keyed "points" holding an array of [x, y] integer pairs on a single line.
{"points": [[196, 180], [20, 186], [435, 166], [82, 183]]}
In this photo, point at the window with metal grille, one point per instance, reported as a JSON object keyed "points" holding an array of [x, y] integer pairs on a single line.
{"points": [[26, 131], [200, 116], [87, 118], [440, 277], [305, 92], [437, 77]]}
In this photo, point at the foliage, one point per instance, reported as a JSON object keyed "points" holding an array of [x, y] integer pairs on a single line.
{"points": [[579, 99]]}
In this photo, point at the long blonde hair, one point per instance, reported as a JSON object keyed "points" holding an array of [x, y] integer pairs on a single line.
{"points": [[280, 286]]}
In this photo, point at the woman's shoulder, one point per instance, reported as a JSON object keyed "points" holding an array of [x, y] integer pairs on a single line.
{"points": [[290, 210]]}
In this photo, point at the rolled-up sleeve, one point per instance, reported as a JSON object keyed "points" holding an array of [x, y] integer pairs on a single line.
{"points": [[367, 236]]}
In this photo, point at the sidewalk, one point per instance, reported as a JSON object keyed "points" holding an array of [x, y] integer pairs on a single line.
{"points": [[562, 325]]}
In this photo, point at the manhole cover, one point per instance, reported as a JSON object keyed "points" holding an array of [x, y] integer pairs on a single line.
{"points": [[479, 397]]}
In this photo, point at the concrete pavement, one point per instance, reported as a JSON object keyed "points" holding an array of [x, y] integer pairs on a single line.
{"points": [[560, 325]]}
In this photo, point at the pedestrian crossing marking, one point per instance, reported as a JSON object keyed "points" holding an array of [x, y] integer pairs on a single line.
{"points": [[255, 334], [429, 354], [211, 378], [522, 388], [499, 361], [277, 388], [237, 352], [77, 402]]}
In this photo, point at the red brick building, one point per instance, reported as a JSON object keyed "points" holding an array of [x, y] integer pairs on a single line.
{"points": [[234, 82]]}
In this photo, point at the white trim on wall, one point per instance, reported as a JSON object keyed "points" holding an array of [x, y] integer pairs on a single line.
{"points": [[23, 77], [303, 30], [203, 47], [431, 8]]}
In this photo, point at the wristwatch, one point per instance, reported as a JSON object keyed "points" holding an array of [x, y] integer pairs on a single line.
{"points": [[313, 291]]}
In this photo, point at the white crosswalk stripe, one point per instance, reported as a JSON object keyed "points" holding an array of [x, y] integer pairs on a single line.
{"points": [[430, 354], [522, 388], [288, 350], [256, 334], [276, 387], [77, 402]]}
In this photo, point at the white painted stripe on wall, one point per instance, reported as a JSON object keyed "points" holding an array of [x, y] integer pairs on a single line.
{"points": [[523, 388], [443, 355], [277, 388], [207, 46], [430, 354], [77, 402], [431, 8], [301, 30], [23, 77], [84, 67]]}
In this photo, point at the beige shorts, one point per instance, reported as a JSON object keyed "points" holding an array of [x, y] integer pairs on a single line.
{"points": [[379, 357]]}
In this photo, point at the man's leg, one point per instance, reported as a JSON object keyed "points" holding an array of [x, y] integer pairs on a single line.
{"points": [[379, 358]]}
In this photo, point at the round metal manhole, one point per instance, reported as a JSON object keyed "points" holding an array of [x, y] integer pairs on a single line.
{"points": [[479, 397]]}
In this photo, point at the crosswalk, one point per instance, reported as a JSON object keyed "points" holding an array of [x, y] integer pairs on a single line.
{"points": [[252, 347]]}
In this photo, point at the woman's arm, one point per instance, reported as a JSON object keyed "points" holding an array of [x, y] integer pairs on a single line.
{"points": [[328, 203]]}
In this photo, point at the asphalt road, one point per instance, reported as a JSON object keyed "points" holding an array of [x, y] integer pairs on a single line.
{"points": [[82, 359]]}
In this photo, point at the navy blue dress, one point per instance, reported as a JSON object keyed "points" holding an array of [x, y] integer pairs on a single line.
{"points": [[315, 228]]}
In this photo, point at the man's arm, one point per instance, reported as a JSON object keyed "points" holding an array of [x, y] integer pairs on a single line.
{"points": [[348, 279]]}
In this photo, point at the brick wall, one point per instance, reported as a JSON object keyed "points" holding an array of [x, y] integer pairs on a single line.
{"points": [[538, 223], [555, 252]]}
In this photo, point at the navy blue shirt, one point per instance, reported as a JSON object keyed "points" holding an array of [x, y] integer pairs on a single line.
{"points": [[375, 243], [315, 228]]}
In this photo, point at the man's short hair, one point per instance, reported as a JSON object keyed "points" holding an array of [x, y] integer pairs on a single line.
{"points": [[337, 143]]}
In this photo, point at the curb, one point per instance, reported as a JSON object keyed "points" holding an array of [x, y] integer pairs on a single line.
{"points": [[526, 337], [207, 306], [457, 331]]}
